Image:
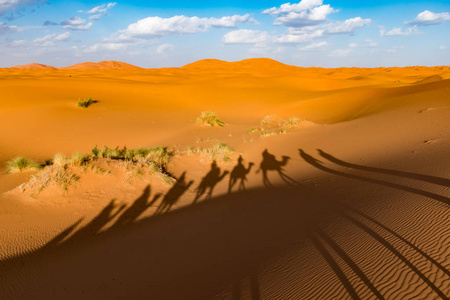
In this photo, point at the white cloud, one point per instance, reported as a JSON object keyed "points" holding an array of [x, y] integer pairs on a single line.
{"points": [[348, 26], [430, 18], [4, 29], [320, 46], [304, 13], [105, 46], [400, 32], [296, 7], [340, 52], [156, 26], [98, 11], [51, 39], [76, 23], [102, 8], [442, 48], [164, 48], [246, 36], [295, 35], [95, 17], [11, 5], [352, 45]]}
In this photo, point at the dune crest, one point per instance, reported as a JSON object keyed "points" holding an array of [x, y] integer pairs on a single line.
{"points": [[33, 66], [103, 65]]}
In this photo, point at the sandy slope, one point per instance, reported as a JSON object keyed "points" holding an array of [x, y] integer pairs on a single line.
{"points": [[360, 210]]}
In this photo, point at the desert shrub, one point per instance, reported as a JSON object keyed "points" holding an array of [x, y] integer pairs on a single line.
{"points": [[95, 151], [79, 159], [107, 152], [159, 155], [60, 160], [85, 103], [62, 177], [218, 151], [20, 164], [209, 118]]}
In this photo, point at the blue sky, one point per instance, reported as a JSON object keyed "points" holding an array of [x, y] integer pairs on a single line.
{"points": [[333, 33]]}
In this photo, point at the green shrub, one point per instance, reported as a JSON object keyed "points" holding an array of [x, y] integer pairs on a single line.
{"points": [[85, 103], [95, 151], [20, 164], [79, 159]]}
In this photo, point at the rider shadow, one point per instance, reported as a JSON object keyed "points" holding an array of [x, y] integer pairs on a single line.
{"points": [[270, 163], [95, 225], [174, 194], [239, 173], [138, 207], [209, 182]]}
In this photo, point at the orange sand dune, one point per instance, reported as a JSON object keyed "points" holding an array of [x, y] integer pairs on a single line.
{"points": [[33, 66], [101, 65], [349, 201]]}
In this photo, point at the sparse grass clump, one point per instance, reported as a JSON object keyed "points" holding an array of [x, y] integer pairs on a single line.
{"points": [[209, 118], [61, 176], [20, 164], [85, 103], [293, 122], [79, 159], [218, 151], [274, 125]]}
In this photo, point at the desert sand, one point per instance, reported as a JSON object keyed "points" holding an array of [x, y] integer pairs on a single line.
{"points": [[350, 203]]}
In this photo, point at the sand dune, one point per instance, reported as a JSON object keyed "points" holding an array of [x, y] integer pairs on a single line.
{"points": [[103, 65], [348, 201], [33, 66]]}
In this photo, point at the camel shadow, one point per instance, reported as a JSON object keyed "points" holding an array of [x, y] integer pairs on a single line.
{"points": [[174, 194], [239, 173], [270, 163], [209, 182], [138, 207]]}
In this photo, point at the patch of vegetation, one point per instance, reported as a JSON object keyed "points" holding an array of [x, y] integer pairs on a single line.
{"points": [[274, 125], [65, 171], [218, 151], [20, 164], [209, 118], [85, 103], [293, 122]]}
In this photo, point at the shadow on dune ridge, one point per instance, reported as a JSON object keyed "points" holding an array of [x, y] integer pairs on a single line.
{"points": [[224, 247]]}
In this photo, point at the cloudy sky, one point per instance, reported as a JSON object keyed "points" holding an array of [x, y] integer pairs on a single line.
{"points": [[334, 33]]}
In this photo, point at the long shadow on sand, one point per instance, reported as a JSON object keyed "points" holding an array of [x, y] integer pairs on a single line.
{"points": [[215, 247], [319, 165]]}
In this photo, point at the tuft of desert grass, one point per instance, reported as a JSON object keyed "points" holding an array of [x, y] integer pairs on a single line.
{"points": [[61, 176], [85, 103], [209, 118], [218, 151], [79, 159], [20, 164], [60, 160]]}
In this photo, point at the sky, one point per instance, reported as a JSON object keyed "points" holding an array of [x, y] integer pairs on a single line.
{"points": [[172, 33]]}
